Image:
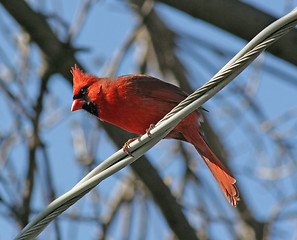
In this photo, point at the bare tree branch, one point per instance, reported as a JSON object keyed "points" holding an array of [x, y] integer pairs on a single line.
{"points": [[240, 19], [60, 55]]}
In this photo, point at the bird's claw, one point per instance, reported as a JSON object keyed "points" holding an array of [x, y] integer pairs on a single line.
{"points": [[126, 146], [148, 131]]}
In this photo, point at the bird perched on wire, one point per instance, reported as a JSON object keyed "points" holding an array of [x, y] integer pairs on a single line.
{"points": [[135, 102]]}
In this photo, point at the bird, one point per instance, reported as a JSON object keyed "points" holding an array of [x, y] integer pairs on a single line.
{"points": [[135, 103]]}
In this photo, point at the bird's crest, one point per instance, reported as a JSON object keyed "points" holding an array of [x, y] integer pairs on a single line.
{"points": [[81, 79]]}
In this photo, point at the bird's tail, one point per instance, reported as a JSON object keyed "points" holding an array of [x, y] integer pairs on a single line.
{"points": [[222, 175]]}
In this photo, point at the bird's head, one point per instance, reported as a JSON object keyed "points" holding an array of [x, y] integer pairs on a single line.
{"points": [[82, 98]]}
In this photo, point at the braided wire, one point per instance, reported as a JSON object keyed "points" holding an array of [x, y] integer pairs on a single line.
{"points": [[33, 231], [118, 160]]}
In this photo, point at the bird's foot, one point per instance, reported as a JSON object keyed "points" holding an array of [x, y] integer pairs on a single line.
{"points": [[126, 146], [148, 131]]}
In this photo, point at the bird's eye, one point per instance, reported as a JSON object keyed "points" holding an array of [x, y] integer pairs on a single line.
{"points": [[84, 90]]}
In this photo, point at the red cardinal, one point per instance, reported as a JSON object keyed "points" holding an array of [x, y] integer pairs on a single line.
{"points": [[134, 102]]}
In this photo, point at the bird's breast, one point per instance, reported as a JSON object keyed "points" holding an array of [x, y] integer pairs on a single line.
{"points": [[133, 113]]}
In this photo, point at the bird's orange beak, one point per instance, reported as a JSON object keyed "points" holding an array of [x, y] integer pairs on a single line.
{"points": [[77, 104]]}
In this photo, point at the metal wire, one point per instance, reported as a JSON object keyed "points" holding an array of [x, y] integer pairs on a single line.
{"points": [[137, 148]]}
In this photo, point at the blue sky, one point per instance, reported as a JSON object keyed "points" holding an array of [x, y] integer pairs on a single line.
{"points": [[107, 26]]}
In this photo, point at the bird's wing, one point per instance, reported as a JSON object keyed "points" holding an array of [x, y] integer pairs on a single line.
{"points": [[149, 86], [154, 88]]}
